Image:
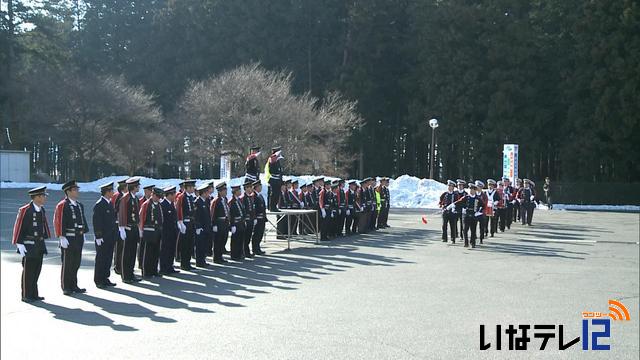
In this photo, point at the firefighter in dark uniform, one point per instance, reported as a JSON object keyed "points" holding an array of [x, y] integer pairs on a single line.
{"points": [[237, 221], [150, 228], [70, 226], [283, 203], [115, 202], [526, 198], [493, 199], [365, 203], [169, 232], [261, 218], [128, 220], [461, 194], [252, 167], [185, 206], [341, 202], [147, 191], [105, 228], [509, 200], [374, 211], [275, 177], [473, 212], [220, 220], [208, 201], [333, 227], [483, 220], [248, 202], [324, 202], [29, 233], [449, 215], [517, 207], [350, 213], [202, 225]]}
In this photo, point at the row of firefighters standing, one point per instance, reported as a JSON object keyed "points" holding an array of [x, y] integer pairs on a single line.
{"points": [[493, 209], [168, 224]]}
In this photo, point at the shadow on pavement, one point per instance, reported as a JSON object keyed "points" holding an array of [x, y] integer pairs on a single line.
{"points": [[82, 317]]}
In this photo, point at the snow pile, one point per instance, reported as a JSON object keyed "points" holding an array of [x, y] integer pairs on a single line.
{"points": [[623, 208], [412, 192]]}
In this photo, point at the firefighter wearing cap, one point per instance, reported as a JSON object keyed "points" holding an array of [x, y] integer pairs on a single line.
{"points": [[261, 218], [385, 203], [169, 232], [273, 169], [202, 224], [517, 208], [365, 203], [350, 213], [493, 199], [70, 226], [501, 208], [128, 221], [341, 205], [447, 203], [374, 207], [282, 227], [150, 231], [296, 203], [147, 192], [185, 206], [509, 200], [248, 202], [526, 198], [251, 165], [105, 228], [324, 201], [462, 193], [237, 220], [220, 220], [333, 206], [483, 220], [473, 211], [115, 202], [29, 233]]}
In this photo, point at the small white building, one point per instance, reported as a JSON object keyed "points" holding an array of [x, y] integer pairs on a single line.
{"points": [[14, 165]]}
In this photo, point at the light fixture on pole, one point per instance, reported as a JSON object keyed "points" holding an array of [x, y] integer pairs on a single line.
{"points": [[434, 124]]}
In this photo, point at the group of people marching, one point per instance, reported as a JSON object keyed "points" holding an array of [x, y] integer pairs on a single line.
{"points": [[176, 224], [490, 209]]}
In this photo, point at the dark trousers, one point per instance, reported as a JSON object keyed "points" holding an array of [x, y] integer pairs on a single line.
{"points": [[349, 221], [449, 220], [340, 220], [325, 225], [501, 218], [517, 211], [202, 243], [104, 257], [509, 215], [129, 253], [248, 233], [274, 193], [283, 225], [527, 212], [168, 249], [258, 233], [71, 257], [210, 244], [150, 253], [220, 239], [382, 217], [186, 246], [493, 223], [237, 242], [117, 255], [373, 219], [363, 221], [461, 221], [470, 225], [140, 253], [31, 266]]}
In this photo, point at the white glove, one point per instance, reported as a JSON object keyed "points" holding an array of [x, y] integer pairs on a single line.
{"points": [[182, 227], [490, 204], [348, 212], [198, 231], [255, 222], [301, 204], [532, 197], [479, 213], [464, 211], [324, 213], [513, 202], [123, 234], [64, 243], [140, 232], [99, 242], [21, 249], [450, 206], [215, 228], [233, 229]]}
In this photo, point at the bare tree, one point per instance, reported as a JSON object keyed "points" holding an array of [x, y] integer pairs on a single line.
{"points": [[250, 105]]}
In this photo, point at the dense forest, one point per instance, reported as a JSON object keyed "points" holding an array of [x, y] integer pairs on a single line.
{"points": [[559, 78]]}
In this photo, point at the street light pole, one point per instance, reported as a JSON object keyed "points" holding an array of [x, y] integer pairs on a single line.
{"points": [[433, 123]]}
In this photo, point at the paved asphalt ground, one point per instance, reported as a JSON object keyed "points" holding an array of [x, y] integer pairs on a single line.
{"points": [[396, 294]]}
